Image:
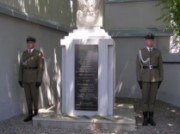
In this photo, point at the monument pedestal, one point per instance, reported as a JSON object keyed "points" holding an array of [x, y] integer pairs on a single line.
{"points": [[88, 73], [122, 120]]}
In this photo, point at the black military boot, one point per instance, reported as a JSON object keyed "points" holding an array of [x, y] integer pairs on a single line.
{"points": [[29, 117], [150, 119], [145, 119], [35, 112]]}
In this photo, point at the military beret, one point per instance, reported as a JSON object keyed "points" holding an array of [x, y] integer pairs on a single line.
{"points": [[149, 36], [30, 39]]}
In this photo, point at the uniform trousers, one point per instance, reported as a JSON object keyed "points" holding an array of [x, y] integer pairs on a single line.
{"points": [[32, 95], [149, 93]]}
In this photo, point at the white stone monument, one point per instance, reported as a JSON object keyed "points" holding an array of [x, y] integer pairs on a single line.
{"points": [[88, 65], [89, 13]]}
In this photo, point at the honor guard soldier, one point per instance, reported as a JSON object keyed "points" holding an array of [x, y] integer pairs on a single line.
{"points": [[30, 76], [149, 70]]}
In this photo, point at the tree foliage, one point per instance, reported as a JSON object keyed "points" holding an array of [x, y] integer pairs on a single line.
{"points": [[171, 15]]}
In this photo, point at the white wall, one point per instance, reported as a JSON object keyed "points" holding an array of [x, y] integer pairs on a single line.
{"points": [[132, 15], [170, 89], [59, 12], [126, 52], [12, 37]]}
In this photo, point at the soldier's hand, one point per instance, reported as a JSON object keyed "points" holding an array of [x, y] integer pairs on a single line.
{"points": [[20, 83], [38, 84]]}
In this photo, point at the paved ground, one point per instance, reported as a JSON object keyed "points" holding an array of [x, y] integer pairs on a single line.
{"points": [[167, 118]]}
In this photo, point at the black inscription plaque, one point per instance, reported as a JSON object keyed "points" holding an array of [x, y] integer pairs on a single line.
{"points": [[86, 77]]}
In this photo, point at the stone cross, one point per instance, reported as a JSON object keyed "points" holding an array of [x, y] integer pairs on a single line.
{"points": [[89, 13]]}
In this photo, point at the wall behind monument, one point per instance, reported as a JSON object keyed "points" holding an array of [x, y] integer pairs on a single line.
{"points": [[132, 15], [57, 12], [128, 21], [13, 41]]}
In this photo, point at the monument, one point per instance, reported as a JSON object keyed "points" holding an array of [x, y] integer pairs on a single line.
{"points": [[88, 64], [89, 13], [88, 78]]}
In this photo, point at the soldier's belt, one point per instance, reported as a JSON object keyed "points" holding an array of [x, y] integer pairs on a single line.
{"points": [[150, 67], [30, 67]]}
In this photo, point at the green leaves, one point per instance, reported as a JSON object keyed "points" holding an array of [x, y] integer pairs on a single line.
{"points": [[170, 15]]}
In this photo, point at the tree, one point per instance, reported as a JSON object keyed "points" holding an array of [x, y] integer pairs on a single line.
{"points": [[171, 15]]}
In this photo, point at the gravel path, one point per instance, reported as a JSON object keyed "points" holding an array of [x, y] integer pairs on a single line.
{"points": [[167, 118]]}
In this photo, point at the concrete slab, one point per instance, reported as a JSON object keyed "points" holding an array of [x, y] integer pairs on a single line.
{"points": [[123, 119]]}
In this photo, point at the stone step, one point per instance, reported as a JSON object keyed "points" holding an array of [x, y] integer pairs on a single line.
{"points": [[123, 120]]}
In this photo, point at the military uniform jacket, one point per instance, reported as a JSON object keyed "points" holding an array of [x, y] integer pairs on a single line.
{"points": [[31, 67], [143, 72]]}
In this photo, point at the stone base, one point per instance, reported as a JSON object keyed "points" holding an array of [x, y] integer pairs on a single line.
{"points": [[123, 120]]}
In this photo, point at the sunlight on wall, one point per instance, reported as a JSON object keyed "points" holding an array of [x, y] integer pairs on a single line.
{"points": [[8, 87], [41, 98], [22, 105], [71, 6], [119, 87], [46, 81], [22, 5], [174, 44], [19, 57], [57, 75], [57, 80], [50, 92], [24, 109], [57, 12], [37, 5]]}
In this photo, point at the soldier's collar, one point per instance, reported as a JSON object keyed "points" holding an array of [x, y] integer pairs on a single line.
{"points": [[30, 50], [148, 48]]}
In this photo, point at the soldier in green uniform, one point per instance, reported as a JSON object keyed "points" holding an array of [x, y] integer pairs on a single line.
{"points": [[149, 70], [30, 76]]}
